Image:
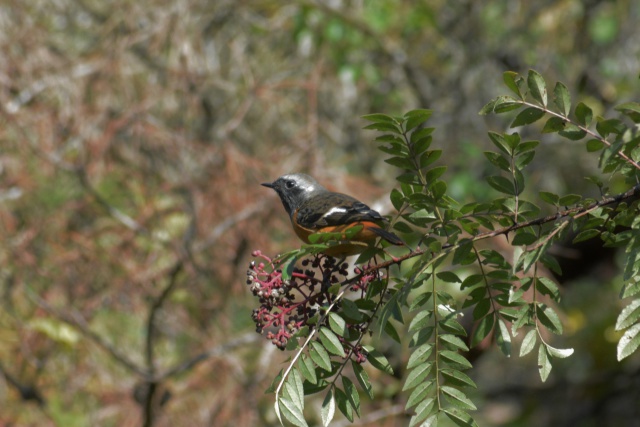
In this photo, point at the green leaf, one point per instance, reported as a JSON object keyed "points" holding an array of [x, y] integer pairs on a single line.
{"points": [[484, 328], [511, 80], [379, 118], [292, 412], [391, 331], [500, 141], [629, 315], [498, 160], [554, 124], [435, 173], [457, 378], [463, 255], [562, 98], [501, 184], [337, 324], [420, 321], [328, 409], [378, 360], [419, 355], [308, 369], [452, 326], [454, 341], [400, 162], [572, 132], [537, 87], [549, 318], [594, 145], [527, 116], [419, 393], [424, 410], [343, 404], [630, 289], [455, 359], [523, 238], [584, 114], [526, 146], [415, 118], [352, 394], [586, 235], [630, 109], [458, 398], [448, 276], [331, 341], [607, 126], [363, 378], [482, 308], [397, 199], [544, 363], [320, 356], [524, 159], [629, 342], [460, 418], [546, 286], [529, 342], [384, 127], [503, 104], [550, 198], [559, 353], [417, 375], [429, 157], [503, 338], [292, 400], [293, 388], [421, 139]]}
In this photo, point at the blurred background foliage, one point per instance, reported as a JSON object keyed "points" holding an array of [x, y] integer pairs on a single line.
{"points": [[133, 137]]}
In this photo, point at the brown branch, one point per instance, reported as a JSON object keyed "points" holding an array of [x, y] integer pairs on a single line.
{"points": [[584, 129], [575, 212], [218, 350], [117, 214], [27, 392], [151, 384], [75, 320]]}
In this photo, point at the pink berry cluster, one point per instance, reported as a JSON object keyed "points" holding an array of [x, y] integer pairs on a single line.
{"points": [[287, 305]]}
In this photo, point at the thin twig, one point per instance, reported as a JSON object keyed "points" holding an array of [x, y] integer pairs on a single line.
{"points": [[630, 195], [116, 213], [77, 321], [152, 385], [215, 351]]}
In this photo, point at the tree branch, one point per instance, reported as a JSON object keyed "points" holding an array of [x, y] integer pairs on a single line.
{"points": [[575, 212]]}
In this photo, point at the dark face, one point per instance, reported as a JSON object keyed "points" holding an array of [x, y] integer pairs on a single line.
{"points": [[294, 189]]}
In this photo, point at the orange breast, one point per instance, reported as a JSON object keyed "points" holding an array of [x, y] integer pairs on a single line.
{"points": [[355, 245]]}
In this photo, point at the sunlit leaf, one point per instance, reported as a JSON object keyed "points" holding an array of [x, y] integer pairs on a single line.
{"points": [[562, 98], [544, 363], [529, 342], [537, 87], [629, 315], [328, 409], [629, 342]]}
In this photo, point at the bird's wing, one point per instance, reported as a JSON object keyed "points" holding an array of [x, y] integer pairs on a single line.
{"points": [[331, 209]]}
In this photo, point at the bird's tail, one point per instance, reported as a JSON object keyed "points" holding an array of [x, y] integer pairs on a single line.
{"points": [[388, 236]]}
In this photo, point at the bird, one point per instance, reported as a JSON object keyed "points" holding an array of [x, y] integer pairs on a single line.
{"points": [[314, 209]]}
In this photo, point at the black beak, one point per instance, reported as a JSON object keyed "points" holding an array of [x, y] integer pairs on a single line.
{"points": [[267, 184]]}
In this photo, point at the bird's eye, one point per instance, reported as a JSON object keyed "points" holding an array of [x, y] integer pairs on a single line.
{"points": [[289, 184]]}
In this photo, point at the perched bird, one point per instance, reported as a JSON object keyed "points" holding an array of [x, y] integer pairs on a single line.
{"points": [[314, 209]]}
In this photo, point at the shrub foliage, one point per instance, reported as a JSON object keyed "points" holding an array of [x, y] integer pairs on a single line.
{"points": [[325, 317]]}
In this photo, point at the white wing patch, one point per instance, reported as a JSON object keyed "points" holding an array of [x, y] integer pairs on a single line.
{"points": [[334, 210]]}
